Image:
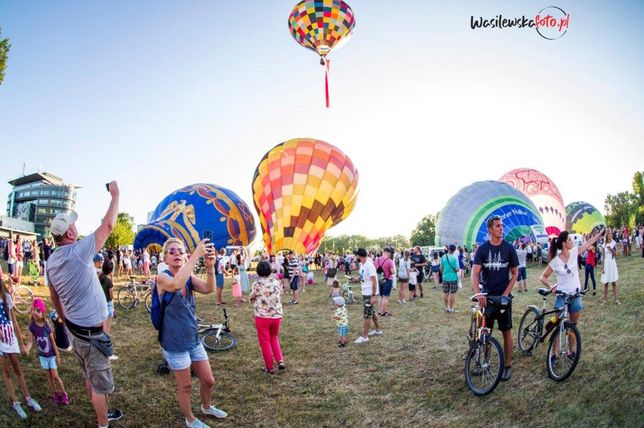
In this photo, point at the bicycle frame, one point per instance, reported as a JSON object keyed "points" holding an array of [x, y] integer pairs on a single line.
{"points": [[562, 315], [220, 326]]}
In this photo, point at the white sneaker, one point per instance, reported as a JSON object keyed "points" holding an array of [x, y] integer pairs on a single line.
{"points": [[375, 333], [213, 411], [114, 357], [361, 339], [33, 404], [196, 424], [18, 408]]}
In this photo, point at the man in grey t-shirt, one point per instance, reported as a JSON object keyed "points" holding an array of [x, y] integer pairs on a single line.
{"points": [[79, 299]]}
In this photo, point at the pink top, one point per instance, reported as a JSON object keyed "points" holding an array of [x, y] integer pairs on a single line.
{"points": [[387, 266]]}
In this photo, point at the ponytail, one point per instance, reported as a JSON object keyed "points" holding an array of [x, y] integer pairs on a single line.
{"points": [[557, 244]]}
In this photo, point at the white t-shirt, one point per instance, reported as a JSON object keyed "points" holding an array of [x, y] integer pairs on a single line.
{"points": [[367, 271], [522, 254], [567, 273]]}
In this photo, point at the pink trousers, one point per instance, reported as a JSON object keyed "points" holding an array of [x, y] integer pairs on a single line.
{"points": [[267, 332]]}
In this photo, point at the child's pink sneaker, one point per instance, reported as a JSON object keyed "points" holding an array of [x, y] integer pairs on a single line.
{"points": [[64, 398]]}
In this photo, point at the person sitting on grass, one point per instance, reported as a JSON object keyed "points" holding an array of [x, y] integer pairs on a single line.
{"points": [[341, 320]]}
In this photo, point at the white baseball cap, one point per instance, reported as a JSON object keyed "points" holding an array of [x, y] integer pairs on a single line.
{"points": [[60, 224]]}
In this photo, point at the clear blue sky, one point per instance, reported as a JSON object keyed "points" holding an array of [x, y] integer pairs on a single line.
{"points": [[159, 95]]}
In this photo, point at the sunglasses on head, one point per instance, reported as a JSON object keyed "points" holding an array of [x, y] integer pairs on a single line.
{"points": [[174, 251]]}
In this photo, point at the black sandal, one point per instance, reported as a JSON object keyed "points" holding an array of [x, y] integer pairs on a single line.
{"points": [[265, 370], [281, 366]]}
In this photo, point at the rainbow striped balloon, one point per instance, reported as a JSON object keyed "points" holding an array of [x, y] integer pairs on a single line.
{"points": [[301, 188]]}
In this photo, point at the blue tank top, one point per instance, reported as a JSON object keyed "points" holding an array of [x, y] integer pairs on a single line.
{"points": [[180, 329]]}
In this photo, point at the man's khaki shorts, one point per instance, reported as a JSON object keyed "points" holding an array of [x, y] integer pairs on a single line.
{"points": [[95, 366]]}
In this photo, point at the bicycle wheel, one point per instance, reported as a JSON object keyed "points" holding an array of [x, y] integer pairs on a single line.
{"points": [[212, 343], [562, 363], [148, 301], [126, 298], [530, 329], [484, 365], [22, 299]]}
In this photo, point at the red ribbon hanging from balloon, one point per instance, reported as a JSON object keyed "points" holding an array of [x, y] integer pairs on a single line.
{"points": [[326, 63]]}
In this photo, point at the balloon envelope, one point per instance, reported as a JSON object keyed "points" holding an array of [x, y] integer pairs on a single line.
{"points": [[301, 188], [463, 220], [582, 217], [543, 192], [190, 212], [321, 25]]}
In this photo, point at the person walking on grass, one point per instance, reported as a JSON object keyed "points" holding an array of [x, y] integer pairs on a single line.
{"points": [[267, 305], [609, 272], [495, 271], [450, 270], [179, 337], [77, 295], [292, 266], [369, 287], [388, 268], [403, 277], [341, 318], [522, 255]]}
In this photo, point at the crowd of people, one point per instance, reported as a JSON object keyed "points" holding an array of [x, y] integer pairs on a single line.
{"points": [[80, 275]]}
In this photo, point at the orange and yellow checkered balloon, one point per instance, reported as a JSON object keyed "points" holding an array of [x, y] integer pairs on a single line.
{"points": [[301, 188]]}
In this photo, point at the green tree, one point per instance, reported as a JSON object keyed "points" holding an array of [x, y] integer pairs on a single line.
{"points": [[123, 233], [425, 232], [620, 209], [638, 189], [4, 55]]}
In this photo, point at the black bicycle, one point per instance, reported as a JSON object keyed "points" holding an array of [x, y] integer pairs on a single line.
{"points": [[564, 350], [485, 359]]}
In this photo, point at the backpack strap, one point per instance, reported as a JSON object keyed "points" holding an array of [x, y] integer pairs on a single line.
{"points": [[166, 298]]}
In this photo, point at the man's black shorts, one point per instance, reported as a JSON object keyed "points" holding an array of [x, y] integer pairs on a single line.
{"points": [[503, 317]]}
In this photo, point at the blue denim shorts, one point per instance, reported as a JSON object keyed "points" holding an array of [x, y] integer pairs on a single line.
{"points": [[182, 360], [523, 274], [219, 280], [575, 306], [48, 362]]}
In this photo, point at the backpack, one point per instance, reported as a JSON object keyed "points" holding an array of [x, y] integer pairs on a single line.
{"points": [[381, 272], [157, 309]]}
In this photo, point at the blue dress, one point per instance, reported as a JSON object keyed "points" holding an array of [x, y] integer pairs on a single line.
{"points": [[243, 279]]}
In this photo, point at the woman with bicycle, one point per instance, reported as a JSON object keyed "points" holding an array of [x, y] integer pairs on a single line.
{"points": [[566, 269], [179, 331]]}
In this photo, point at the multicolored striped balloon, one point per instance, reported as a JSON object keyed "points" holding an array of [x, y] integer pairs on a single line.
{"points": [[301, 188], [321, 25]]}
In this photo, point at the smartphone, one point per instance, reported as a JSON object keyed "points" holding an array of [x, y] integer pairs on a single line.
{"points": [[107, 186], [207, 234]]}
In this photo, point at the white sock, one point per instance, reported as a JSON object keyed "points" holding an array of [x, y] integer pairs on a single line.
{"points": [[103, 426]]}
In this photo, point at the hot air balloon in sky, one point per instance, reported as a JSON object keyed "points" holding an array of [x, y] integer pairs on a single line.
{"points": [[301, 188], [195, 210], [322, 26], [463, 220], [543, 192], [582, 217]]}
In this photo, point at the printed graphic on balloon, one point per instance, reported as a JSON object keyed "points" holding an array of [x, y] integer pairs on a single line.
{"points": [[188, 213], [543, 192], [301, 188], [582, 217]]}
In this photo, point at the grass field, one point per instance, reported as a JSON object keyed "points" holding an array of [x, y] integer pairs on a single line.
{"points": [[412, 376]]}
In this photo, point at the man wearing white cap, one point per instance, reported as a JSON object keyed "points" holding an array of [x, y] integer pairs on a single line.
{"points": [[80, 301]]}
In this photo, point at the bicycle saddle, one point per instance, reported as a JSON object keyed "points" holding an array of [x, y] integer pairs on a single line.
{"points": [[499, 301], [543, 291]]}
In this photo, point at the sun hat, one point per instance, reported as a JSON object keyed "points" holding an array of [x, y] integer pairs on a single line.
{"points": [[338, 300]]}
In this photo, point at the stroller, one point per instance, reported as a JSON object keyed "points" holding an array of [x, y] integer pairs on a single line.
{"points": [[34, 272]]}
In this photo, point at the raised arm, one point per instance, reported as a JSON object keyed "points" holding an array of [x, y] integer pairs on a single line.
{"points": [[107, 225], [586, 245], [174, 283]]}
